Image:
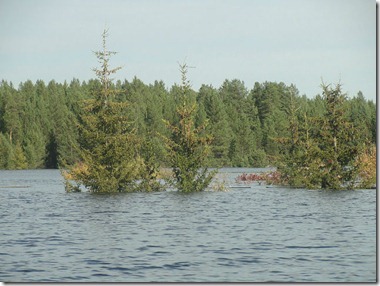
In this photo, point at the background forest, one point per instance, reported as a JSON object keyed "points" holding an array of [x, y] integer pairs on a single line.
{"points": [[39, 121]]}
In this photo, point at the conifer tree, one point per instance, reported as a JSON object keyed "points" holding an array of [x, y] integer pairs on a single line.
{"points": [[323, 156], [188, 147], [6, 152], [218, 126], [108, 144], [13, 108], [18, 160], [337, 141], [34, 146]]}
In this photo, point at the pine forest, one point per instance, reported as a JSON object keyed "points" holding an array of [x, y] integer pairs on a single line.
{"points": [[269, 124], [38, 121]]}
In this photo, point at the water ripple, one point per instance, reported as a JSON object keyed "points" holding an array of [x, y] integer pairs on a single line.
{"points": [[254, 234]]}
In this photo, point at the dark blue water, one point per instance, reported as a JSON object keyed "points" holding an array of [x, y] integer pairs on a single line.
{"points": [[255, 234]]}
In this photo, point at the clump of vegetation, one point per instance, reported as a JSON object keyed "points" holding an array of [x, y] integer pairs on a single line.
{"points": [[253, 177], [321, 152], [187, 145], [115, 159], [274, 178], [219, 183]]}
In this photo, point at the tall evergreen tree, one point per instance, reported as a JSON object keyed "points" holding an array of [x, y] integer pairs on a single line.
{"points": [[218, 127], [338, 141], [324, 156], [6, 152], [108, 144], [188, 147], [12, 113]]}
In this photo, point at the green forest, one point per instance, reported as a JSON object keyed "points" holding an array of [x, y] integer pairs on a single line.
{"points": [[115, 137], [39, 121]]}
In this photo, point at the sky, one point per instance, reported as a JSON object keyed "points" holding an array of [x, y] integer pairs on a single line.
{"points": [[300, 42]]}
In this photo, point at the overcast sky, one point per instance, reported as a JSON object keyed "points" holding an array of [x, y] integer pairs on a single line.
{"points": [[293, 41]]}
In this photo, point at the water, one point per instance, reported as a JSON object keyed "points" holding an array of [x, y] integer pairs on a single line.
{"points": [[256, 234]]}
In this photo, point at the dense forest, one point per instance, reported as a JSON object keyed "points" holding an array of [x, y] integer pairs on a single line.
{"points": [[39, 121]]}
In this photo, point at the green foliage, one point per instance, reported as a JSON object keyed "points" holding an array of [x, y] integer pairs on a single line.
{"points": [[340, 140], [17, 158], [11, 156], [35, 147], [324, 155], [244, 129], [150, 166], [188, 146], [366, 164], [243, 123], [12, 114], [108, 144], [269, 124], [6, 153], [218, 125]]}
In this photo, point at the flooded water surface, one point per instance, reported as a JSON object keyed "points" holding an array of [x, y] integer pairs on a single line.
{"points": [[252, 233]]}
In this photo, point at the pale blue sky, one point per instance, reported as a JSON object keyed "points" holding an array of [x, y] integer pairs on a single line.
{"points": [[294, 41]]}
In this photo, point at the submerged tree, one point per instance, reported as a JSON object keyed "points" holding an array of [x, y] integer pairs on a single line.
{"points": [[108, 145], [188, 146], [337, 141], [323, 156]]}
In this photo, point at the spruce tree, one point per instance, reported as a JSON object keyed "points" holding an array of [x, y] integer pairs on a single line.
{"points": [[337, 141], [188, 146], [218, 126], [11, 115], [322, 150], [108, 144], [18, 160]]}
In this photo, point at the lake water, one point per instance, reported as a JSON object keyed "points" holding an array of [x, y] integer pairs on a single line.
{"points": [[255, 234]]}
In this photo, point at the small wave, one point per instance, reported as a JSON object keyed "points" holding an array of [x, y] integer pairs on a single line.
{"points": [[177, 265], [123, 269], [100, 275], [310, 247]]}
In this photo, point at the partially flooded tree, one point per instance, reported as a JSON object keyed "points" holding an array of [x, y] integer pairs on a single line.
{"points": [[108, 145], [337, 141], [188, 146], [324, 155]]}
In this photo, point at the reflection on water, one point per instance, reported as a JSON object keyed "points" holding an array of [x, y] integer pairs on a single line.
{"points": [[254, 234]]}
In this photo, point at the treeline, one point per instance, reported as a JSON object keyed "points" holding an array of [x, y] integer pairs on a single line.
{"points": [[39, 121]]}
